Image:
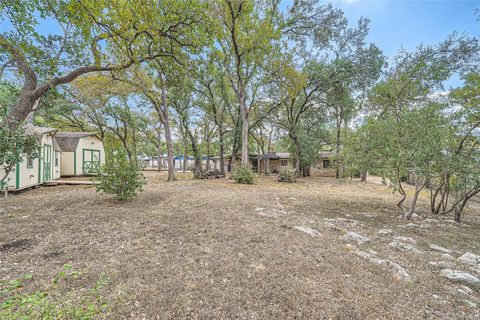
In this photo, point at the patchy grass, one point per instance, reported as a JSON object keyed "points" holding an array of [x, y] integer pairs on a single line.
{"points": [[218, 249]]}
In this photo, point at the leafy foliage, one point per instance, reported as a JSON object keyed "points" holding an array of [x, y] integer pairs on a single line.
{"points": [[288, 175], [244, 175], [15, 146], [55, 301], [120, 177]]}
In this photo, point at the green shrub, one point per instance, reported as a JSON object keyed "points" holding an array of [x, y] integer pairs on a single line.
{"points": [[59, 300], [120, 177], [288, 175], [243, 175]]}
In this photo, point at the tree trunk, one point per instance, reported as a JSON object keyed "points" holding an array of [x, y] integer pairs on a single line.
{"points": [[196, 152], [221, 159], [459, 210], [208, 167], [168, 137], [171, 166], [245, 123], [296, 143], [258, 159], [198, 158], [402, 193], [160, 155], [198, 164], [443, 190], [185, 155], [297, 157], [413, 203], [236, 136], [21, 110], [337, 170], [231, 162], [364, 175]]}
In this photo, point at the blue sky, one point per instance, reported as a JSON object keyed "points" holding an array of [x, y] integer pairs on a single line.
{"points": [[396, 24]]}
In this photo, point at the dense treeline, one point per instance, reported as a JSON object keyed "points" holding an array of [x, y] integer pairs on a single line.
{"points": [[233, 77]]}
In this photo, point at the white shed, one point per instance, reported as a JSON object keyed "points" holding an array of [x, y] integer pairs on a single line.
{"points": [[34, 171], [82, 153]]}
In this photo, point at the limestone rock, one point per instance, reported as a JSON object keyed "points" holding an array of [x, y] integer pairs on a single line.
{"points": [[405, 239], [400, 272], [311, 232], [470, 259], [434, 247], [353, 236], [402, 246], [460, 276], [385, 231], [447, 256]]}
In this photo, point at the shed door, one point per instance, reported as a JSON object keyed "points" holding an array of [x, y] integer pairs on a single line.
{"points": [[47, 162], [91, 161]]}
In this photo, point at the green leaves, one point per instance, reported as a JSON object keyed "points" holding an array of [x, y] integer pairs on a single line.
{"points": [[15, 146], [62, 299], [120, 177]]}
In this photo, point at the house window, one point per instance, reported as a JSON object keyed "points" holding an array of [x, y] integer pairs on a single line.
{"points": [[56, 159], [326, 164], [29, 163], [284, 163]]}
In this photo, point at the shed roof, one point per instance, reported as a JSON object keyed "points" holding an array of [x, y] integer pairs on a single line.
{"points": [[38, 131], [68, 141], [56, 146], [74, 134]]}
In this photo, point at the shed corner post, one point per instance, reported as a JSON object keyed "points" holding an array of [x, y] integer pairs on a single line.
{"points": [[17, 176]]}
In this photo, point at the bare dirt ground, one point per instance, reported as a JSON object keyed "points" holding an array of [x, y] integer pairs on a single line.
{"points": [[218, 250]]}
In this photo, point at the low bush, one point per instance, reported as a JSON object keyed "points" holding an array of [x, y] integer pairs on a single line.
{"points": [[120, 177], [288, 175], [243, 175], [55, 301], [211, 174]]}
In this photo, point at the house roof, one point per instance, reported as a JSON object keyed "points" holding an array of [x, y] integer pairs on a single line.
{"points": [[275, 155], [181, 157], [56, 146], [68, 141], [326, 154], [227, 157], [74, 134], [38, 131]]}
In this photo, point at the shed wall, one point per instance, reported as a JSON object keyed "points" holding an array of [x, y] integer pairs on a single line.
{"points": [[88, 143]]}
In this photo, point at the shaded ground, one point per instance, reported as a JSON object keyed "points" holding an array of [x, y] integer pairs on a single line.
{"points": [[216, 250]]}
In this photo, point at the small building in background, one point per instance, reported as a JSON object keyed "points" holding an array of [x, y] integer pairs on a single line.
{"points": [[274, 162], [178, 163], [206, 160], [229, 164], [82, 153], [151, 163], [325, 166]]}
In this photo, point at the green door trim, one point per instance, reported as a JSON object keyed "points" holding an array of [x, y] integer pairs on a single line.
{"points": [[47, 162], [75, 162], [17, 176], [39, 165], [92, 166]]}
